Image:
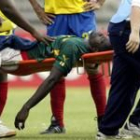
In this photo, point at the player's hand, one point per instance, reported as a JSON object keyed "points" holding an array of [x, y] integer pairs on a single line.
{"points": [[133, 43], [45, 18], [21, 118], [43, 38], [91, 5]]}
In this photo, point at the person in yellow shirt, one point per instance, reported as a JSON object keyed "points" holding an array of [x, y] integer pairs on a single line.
{"points": [[6, 29], [71, 17]]}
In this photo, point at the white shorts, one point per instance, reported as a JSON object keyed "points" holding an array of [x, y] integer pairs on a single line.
{"points": [[10, 55]]}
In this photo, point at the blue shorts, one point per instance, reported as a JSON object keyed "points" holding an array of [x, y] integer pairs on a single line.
{"points": [[73, 24], [16, 42]]}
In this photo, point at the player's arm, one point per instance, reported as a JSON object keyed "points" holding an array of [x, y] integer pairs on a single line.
{"points": [[134, 38], [10, 10], [45, 18], [41, 92], [93, 4]]}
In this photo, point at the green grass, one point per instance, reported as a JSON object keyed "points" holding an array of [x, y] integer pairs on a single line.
{"points": [[79, 115]]}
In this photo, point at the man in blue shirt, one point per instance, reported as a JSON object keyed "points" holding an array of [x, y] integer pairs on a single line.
{"points": [[124, 35]]}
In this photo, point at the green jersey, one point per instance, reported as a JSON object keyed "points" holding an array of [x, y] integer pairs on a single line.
{"points": [[65, 49]]}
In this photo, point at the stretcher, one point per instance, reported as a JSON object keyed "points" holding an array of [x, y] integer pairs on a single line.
{"points": [[26, 67]]}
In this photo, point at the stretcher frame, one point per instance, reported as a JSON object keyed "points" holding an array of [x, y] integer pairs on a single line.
{"points": [[28, 67]]}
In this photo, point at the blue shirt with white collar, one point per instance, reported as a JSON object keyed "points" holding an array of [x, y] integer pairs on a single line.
{"points": [[123, 12]]}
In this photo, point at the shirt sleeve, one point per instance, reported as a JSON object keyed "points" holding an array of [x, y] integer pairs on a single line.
{"points": [[136, 3]]}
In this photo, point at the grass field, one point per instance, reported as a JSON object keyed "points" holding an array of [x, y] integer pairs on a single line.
{"points": [[79, 115]]}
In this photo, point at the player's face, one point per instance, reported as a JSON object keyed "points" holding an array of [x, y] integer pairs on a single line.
{"points": [[94, 41], [97, 41]]}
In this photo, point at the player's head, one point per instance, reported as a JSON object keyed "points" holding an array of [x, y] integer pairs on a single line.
{"points": [[99, 42]]}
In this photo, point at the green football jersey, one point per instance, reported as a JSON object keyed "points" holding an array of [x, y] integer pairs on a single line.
{"points": [[66, 49]]}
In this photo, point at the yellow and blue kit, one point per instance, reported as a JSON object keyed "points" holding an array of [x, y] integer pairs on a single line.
{"points": [[71, 19], [64, 6], [6, 29], [7, 26]]}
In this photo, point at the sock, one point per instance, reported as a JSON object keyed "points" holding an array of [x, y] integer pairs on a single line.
{"points": [[57, 101], [3, 95], [98, 92]]}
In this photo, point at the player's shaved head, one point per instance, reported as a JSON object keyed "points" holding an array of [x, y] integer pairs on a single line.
{"points": [[99, 42]]}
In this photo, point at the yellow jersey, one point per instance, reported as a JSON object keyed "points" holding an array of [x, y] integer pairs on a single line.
{"points": [[64, 6], [7, 26]]}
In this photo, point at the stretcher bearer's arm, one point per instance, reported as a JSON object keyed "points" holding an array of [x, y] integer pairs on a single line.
{"points": [[93, 4], [45, 18], [10, 10], [134, 39]]}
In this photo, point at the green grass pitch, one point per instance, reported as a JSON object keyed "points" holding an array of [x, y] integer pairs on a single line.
{"points": [[79, 115]]}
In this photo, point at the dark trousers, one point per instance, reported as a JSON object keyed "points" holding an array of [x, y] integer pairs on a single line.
{"points": [[125, 80]]}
